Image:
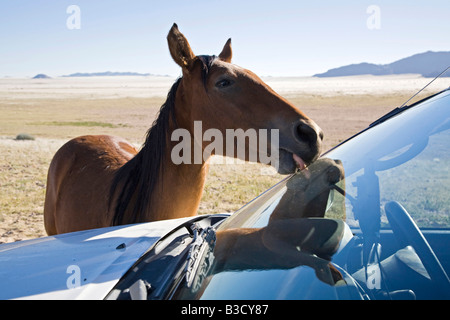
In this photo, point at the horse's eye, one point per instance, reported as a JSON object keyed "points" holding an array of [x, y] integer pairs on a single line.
{"points": [[224, 83]]}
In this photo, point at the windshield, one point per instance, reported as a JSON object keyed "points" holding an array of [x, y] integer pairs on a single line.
{"points": [[368, 220]]}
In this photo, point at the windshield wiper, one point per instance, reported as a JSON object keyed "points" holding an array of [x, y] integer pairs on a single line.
{"points": [[203, 239]]}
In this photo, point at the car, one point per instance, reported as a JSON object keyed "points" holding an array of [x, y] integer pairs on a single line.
{"points": [[369, 220]]}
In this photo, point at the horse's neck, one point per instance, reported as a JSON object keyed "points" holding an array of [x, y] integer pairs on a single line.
{"points": [[179, 191], [180, 187]]}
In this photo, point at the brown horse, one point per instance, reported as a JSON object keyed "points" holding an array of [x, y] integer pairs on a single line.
{"points": [[99, 181]]}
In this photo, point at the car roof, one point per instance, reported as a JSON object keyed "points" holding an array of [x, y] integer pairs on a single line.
{"points": [[78, 265], [394, 112]]}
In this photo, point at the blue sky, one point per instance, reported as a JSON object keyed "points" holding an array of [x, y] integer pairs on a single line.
{"points": [[278, 38]]}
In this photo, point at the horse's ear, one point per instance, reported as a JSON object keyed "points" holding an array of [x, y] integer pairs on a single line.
{"points": [[226, 53], [179, 48]]}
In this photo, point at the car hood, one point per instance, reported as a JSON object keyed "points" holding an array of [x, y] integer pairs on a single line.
{"points": [[78, 265]]}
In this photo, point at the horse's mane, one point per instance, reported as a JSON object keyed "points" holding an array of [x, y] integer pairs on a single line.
{"points": [[207, 62], [137, 178]]}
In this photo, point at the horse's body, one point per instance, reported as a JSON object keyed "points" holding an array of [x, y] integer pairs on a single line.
{"points": [[98, 181]]}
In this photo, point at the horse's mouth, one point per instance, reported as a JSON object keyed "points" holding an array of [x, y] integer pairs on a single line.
{"points": [[290, 162], [299, 162]]}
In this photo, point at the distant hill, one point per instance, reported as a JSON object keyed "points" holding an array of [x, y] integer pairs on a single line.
{"points": [[106, 74], [41, 76], [428, 64]]}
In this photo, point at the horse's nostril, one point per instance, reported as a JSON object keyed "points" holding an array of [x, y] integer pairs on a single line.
{"points": [[301, 134], [307, 133]]}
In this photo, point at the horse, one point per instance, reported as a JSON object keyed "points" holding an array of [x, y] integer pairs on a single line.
{"points": [[99, 181]]}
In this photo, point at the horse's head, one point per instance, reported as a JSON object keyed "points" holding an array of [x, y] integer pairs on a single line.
{"points": [[225, 96]]}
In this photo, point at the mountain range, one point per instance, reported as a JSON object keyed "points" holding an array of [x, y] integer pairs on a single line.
{"points": [[428, 64], [41, 76]]}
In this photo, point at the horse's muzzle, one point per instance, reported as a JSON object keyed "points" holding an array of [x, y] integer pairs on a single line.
{"points": [[309, 137]]}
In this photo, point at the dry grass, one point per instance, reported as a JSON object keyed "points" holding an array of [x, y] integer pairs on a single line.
{"points": [[54, 120], [22, 183]]}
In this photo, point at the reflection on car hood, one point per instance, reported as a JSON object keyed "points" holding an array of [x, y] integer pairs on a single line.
{"points": [[78, 265]]}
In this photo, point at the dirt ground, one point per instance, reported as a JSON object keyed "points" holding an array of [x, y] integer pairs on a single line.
{"points": [[55, 110]]}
